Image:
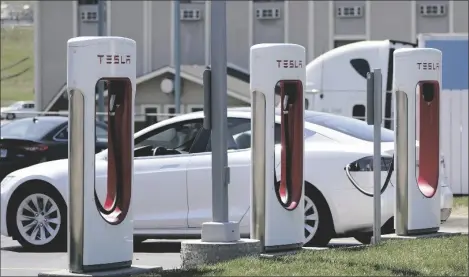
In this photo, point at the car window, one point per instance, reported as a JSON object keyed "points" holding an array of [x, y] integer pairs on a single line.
{"points": [[101, 134], [179, 136], [28, 128], [241, 133], [349, 126], [235, 126]]}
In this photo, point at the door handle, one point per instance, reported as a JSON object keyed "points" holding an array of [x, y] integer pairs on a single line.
{"points": [[166, 166]]}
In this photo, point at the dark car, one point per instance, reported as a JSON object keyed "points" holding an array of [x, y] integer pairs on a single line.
{"points": [[28, 141]]}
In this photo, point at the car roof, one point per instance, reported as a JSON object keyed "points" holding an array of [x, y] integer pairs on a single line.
{"points": [[245, 112]]}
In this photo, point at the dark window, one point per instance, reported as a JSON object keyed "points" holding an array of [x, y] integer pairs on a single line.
{"points": [[101, 134], [306, 104], [28, 128], [87, 2], [358, 112], [361, 66], [150, 116], [349, 126], [196, 109], [338, 43], [171, 111]]}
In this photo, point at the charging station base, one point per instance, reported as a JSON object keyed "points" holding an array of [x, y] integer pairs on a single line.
{"points": [[130, 271], [197, 252]]}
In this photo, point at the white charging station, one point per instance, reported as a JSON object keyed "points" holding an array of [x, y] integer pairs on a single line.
{"points": [[100, 235], [277, 209], [416, 86]]}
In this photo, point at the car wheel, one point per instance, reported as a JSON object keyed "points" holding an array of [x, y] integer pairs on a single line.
{"points": [[365, 237], [10, 116], [318, 221], [38, 218]]}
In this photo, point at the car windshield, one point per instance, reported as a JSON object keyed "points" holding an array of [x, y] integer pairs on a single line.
{"points": [[349, 126], [28, 128]]}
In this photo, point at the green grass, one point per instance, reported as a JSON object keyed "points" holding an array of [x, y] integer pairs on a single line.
{"points": [[421, 257], [461, 201], [17, 43]]}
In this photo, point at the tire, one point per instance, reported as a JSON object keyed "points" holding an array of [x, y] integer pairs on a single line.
{"points": [[47, 219], [10, 116], [319, 228], [365, 237]]}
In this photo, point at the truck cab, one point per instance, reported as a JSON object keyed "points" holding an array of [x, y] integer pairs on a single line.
{"points": [[336, 80]]}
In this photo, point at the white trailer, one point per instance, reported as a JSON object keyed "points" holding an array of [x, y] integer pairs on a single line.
{"points": [[336, 83], [454, 106]]}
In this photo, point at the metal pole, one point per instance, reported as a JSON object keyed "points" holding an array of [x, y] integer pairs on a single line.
{"points": [[377, 156], [177, 55], [100, 85], [220, 170], [207, 33]]}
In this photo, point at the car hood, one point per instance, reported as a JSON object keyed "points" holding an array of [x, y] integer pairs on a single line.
{"points": [[5, 109], [53, 169], [337, 147]]}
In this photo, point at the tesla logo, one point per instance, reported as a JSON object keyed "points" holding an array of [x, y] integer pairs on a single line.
{"points": [[428, 66], [114, 59], [289, 64]]}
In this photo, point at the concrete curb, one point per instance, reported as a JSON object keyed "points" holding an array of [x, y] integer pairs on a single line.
{"points": [[131, 271], [195, 253], [276, 255], [424, 236]]}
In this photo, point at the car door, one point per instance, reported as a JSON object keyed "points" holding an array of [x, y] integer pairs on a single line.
{"points": [[199, 179], [160, 177]]}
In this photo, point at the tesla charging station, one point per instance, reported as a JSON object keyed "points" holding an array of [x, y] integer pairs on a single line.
{"points": [[277, 210], [417, 81], [100, 235]]}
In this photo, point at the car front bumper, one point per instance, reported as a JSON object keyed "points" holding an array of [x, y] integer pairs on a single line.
{"points": [[3, 214]]}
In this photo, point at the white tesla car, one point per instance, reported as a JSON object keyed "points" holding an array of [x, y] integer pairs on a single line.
{"points": [[172, 186], [20, 109]]}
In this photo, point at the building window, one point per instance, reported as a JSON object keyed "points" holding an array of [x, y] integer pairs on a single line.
{"points": [[358, 112], [342, 42], [151, 116], [171, 109], [194, 108], [87, 2]]}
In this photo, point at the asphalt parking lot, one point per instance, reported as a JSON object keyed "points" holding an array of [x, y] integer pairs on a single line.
{"points": [[17, 262]]}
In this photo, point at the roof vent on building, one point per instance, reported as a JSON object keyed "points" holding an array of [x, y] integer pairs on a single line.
{"points": [[433, 10], [190, 14], [349, 12], [262, 14]]}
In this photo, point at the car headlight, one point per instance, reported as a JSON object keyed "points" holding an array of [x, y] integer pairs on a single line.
{"points": [[366, 164]]}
